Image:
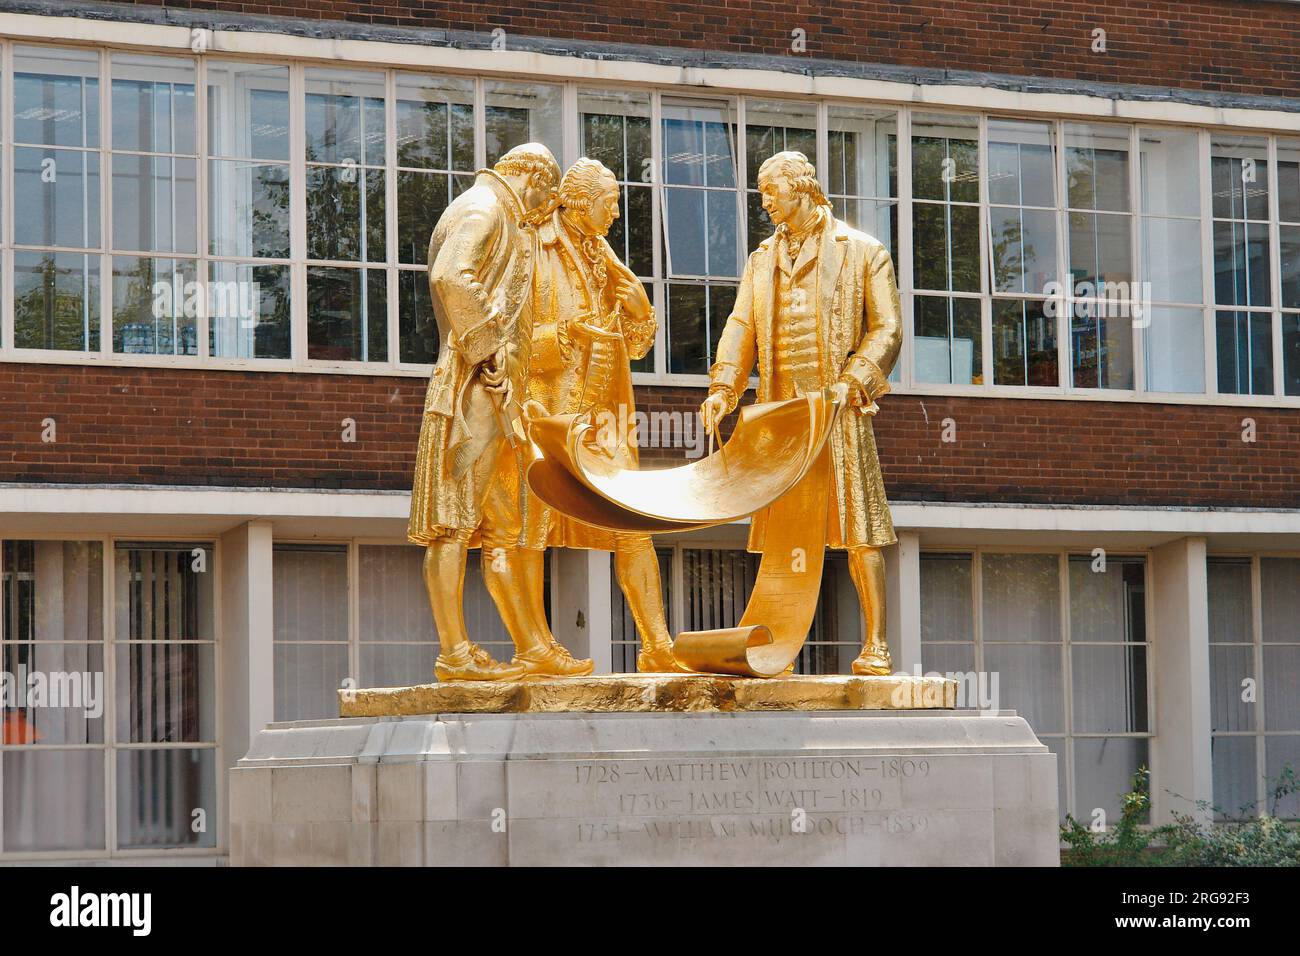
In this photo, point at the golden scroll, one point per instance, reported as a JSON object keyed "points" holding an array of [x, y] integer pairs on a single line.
{"points": [[777, 456]]}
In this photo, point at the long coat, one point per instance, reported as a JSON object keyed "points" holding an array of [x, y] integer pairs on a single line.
{"points": [[859, 335], [481, 264]]}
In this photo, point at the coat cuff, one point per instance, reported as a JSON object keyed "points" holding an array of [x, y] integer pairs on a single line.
{"points": [[867, 376]]}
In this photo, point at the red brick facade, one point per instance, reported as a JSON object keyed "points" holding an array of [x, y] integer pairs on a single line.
{"points": [[186, 427], [1237, 46]]}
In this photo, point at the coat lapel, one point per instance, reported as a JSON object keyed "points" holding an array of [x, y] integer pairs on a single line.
{"points": [[764, 292]]}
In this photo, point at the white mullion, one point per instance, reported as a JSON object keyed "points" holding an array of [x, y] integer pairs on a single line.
{"points": [[1275, 268], [1065, 305], [742, 189], [660, 285], [571, 148], [354, 613], [105, 156], [678, 610], [823, 147], [480, 125], [903, 255], [201, 181], [1137, 260], [297, 217], [1257, 644], [108, 555], [986, 286], [1067, 673], [7, 333], [1204, 165], [977, 606], [391, 251]]}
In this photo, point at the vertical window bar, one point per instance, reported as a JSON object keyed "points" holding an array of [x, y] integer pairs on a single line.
{"points": [[1207, 264], [1136, 264], [1275, 269], [297, 215], [392, 276]]}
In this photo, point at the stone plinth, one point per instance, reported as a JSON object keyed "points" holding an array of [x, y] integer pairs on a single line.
{"points": [[853, 787], [651, 693]]}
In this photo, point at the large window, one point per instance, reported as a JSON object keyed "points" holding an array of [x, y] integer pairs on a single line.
{"points": [[1254, 604], [276, 215], [119, 701], [1064, 637]]}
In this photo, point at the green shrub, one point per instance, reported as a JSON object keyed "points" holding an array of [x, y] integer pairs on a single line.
{"points": [[1246, 839]]}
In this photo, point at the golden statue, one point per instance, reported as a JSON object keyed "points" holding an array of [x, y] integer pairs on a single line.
{"points": [[482, 257], [591, 315], [817, 309]]}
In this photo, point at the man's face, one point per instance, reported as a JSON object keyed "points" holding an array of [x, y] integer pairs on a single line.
{"points": [[780, 201], [597, 220], [536, 192]]}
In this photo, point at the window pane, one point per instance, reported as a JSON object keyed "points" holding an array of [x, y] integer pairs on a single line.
{"points": [[157, 794], [248, 209], [1233, 760], [1101, 249], [248, 110], [1110, 688], [1022, 597], [307, 680], [1175, 350], [1239, 177], [772, 127], [1244, 345], [1096, 166], [248, 310], [435, 122], [1288, 180], [393, 601], [615, 130], [948, 340], [347, 313], [156, 304], [1024, 343], [153, 104], [345, 214], [863, 151], [56, 198], [1229, 596], [165, 690], [345, 117], [947, 611], [688, 343], [1242, 272], [310, 596], [945, 157], [1230, 667], [56, 301], [1280, 752], [718, 584], [419, 327], [1030, 682], [1107, 605], [1291, 353], [699, 144], [1021, 163], [155, 204], [1279, 581], [1170, 171], [53, 591], [422, 198], [56, 96], [522, 113], [1022, 249], [877, 219], [946, 244], [1101, 346], [53, 800], [69, 703], [1171, 259], [1103, 773]]}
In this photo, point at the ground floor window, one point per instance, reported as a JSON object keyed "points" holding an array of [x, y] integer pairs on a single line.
{"points": [[109, 701], [1061, 639], [1254, 609]]}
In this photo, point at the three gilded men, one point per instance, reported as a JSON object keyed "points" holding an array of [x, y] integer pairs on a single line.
{"points": [[539, 317]]}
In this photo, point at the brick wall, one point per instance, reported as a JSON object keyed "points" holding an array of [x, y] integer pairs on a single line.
{"points": [[1223, 45], [177, 426]]}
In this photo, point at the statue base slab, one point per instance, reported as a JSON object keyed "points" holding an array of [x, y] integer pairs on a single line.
{"points": [[850, 787], [653, 693]]}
